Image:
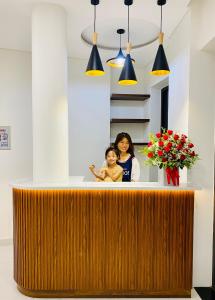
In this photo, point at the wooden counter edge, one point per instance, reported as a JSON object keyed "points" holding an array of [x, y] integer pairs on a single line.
{"points": [[105, 294]]}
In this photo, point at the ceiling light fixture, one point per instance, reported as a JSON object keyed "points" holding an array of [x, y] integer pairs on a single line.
{"points": [[160, 66], [128, 76], [94, 67], [119, 60]]}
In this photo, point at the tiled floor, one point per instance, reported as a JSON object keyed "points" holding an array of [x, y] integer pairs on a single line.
{"points": [[8, 289]]}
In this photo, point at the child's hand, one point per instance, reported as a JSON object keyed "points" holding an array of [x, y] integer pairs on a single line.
{"points": [[92, 167], [105, 170]]}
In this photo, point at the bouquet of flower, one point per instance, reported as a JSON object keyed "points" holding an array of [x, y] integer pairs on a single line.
{"points": [[171, 151]]}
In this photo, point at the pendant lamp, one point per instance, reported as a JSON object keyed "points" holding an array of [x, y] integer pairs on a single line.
{"points": [[119, 60], [128, 76], [94, 67], [160, 66]]}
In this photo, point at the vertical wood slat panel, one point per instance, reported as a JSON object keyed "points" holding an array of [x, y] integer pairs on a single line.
{"points": [[86, 242]]}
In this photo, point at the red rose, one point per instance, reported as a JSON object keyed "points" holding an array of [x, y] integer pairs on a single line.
{"points": [[179, 147], [190, 145], [193, 153], [167, 149], [173, 156], [176, 137], [164, 159], [182, 157], [158, 135], [165, 137], [169, 132], [169, 145], [149, 144], [184, 136], [160, 153], [160, 143], [183, 141], [150, 154]]}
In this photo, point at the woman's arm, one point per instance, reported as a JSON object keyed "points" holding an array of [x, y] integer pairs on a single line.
{"points": [[101, 176], [135, 172], [115, 176]]}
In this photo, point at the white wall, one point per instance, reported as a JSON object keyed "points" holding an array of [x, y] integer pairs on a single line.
{"points": [[201, 131], [89, 118], [206, 22], [15, 111]]}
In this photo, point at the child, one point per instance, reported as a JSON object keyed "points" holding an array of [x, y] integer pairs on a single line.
{"points": [[112, 171]]}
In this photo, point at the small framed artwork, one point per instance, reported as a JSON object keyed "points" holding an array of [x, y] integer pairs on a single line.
{"points": [[5, 138]]}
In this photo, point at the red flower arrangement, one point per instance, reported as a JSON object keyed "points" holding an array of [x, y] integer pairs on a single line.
{"points": [[170, 151]]}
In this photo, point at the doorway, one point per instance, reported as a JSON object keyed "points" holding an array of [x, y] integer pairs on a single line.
{"points": [[213, 274], [164, 107]]}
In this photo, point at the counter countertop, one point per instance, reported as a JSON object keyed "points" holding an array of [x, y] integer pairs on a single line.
{"points": [[77, 183]]}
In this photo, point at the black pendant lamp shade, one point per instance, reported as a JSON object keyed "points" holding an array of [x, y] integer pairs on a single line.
{"points": [[94, 67], [127, 76], [160, 67], [119, 60]]}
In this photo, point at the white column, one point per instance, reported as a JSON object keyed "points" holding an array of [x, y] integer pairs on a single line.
{"points": [[49, 93], [201, 132]]}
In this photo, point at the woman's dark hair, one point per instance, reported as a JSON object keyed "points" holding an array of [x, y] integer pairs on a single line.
{"points": [[120, 137], [111, 149]]}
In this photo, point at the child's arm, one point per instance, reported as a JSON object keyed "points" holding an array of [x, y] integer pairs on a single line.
{"points": [[101, 176], [115, 176]]}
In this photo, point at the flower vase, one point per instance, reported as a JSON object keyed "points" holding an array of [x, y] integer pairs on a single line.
{"points": [[169, 177]]}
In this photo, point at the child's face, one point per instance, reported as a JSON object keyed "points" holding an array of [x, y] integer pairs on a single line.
{"points": [[111, 158], [123, 145]]}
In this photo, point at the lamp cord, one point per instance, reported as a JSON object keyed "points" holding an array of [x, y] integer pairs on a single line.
{"points": [[94, 18], [128, 25], [120, 41], [161, 25]]}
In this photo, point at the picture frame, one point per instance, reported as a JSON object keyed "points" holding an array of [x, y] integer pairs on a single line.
{"points": [[5, 138]]}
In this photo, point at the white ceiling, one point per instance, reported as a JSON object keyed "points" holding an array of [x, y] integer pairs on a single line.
{"points": [[15, 23], [109, 39]]}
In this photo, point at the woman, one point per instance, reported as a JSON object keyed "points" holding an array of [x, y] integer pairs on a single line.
{"points": [[127, 160]]}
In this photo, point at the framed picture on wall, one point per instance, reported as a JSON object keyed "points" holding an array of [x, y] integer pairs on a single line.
{"points": [[5, 138]]}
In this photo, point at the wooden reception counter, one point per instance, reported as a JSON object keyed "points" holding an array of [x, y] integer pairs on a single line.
{"points": [[103, 239]]}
